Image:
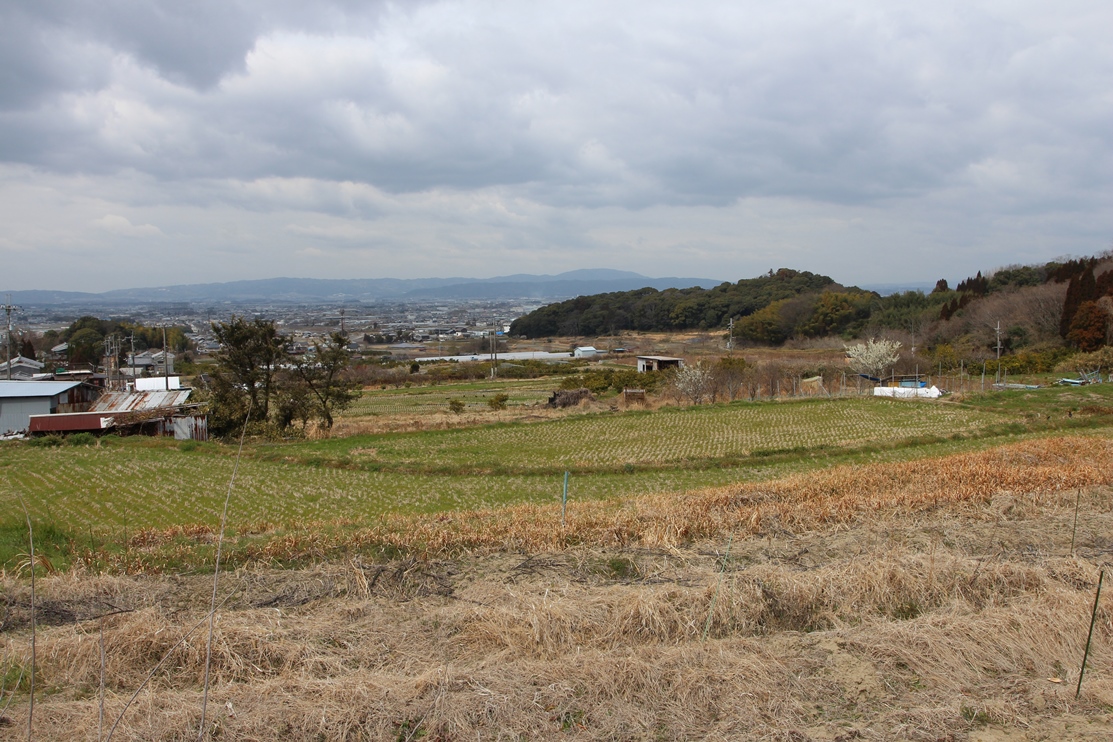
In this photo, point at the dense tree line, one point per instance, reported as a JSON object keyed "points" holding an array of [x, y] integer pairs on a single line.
{"points": [[767, 310], [672, 309], [787, 304], [86, 336]]}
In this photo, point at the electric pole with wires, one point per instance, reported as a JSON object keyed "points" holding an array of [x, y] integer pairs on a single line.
{"points": [[8, 309]]}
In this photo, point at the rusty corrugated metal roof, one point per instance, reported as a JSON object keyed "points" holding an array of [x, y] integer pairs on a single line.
{"points": [[141, 401]]}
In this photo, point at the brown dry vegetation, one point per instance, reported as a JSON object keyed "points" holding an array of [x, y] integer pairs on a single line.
{"points": [[397, 423], [923, 600], [841, 495]]}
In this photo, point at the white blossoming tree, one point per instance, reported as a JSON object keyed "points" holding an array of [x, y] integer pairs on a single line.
{"points": [[696, 383], [873, 356]]}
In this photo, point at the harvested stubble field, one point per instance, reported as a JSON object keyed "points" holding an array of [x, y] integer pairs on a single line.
{"points": [[98, 500], [404, 408], [921, 600], [666, 438]]}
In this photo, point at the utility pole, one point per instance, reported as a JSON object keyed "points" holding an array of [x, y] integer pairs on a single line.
{"points": [[112, 356], [494, 355], [165, 361], [9, 308], [132, 339]]}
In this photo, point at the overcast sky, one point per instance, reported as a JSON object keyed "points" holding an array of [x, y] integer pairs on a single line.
{"points": [[152, 143]]}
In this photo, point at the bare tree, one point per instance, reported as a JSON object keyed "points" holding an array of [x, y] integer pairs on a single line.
{"points": [[729, 374]]}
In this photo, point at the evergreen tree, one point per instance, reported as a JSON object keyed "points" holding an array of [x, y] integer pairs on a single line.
{"points": [[1081, 289], [1088, 328], [1070, 304], [246, 367]]}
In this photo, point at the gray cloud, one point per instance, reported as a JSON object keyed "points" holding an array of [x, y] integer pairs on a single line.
{"points": [[578, 119]]}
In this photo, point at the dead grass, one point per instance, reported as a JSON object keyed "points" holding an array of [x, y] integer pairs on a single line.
{"points": [[840, 495], [400, 423], [556, 644], [918, 601]]}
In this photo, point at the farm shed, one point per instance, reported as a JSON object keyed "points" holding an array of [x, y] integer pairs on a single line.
{"points": [[585, 351], [19, 400], [160, 412], [70, 422], [658, 363], [155, 412]]}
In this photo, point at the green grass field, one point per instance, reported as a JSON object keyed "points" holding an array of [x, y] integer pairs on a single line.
{"points": [[121, 485], [667, 438], [424, 400]]}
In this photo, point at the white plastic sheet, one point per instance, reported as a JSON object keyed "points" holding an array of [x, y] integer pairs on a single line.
{"points": [[904, 392]]}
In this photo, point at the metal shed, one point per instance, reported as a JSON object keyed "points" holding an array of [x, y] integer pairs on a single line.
{"points": [[21, 399]]}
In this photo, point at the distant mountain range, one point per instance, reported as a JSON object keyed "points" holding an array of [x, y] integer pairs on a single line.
{"points": [[302, 290]]}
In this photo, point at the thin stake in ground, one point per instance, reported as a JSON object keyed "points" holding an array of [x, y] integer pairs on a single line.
{"points": [[1074, 531], [34, 658], [1090, 636], [216, 577], [711, 610]]}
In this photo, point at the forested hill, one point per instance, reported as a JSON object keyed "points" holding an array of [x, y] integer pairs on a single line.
{"points": [[1053, 307], [648, 309]]}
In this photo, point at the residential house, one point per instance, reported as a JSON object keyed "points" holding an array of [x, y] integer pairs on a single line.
{"points": [[21, 368], [149, 363]]}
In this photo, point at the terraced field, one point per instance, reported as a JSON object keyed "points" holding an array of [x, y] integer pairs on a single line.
{"points": [[425, 400], [129, 486], [139, 483], [668, 437]]}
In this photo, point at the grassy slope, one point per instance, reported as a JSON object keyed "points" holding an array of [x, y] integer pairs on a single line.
{"points": [[89, 497], [667, 438], [940, 604]]}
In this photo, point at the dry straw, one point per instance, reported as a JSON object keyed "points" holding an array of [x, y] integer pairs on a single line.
{"points": [[837, 495], [34, 633], [216, 575]]}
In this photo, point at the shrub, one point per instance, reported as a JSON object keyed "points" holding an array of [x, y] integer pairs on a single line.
{"points": [[1102, 359], [82, 439], [498, 402], [46, 441], [456, 406], [1028, 361]]}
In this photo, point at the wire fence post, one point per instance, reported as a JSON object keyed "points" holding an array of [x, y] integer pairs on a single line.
{"points": [[1074, 531], [564, 501], [715, 595], [1090, 636]]}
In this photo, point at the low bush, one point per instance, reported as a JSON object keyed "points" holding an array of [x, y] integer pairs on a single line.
{"points": [[46, 441], [82, 439]]}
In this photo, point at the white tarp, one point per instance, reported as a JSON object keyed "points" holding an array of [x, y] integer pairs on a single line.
{"points": [[158, 383], [905, 392]]}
